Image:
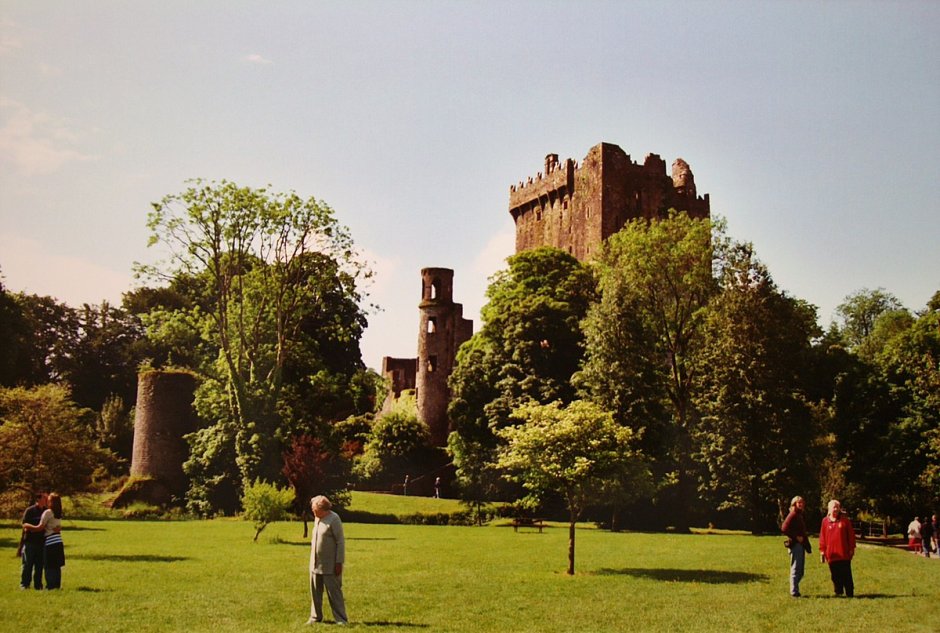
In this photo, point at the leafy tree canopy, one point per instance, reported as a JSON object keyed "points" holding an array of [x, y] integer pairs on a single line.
{"points": [[45, 442], [528, 348], [574, 451], [271, 289]]}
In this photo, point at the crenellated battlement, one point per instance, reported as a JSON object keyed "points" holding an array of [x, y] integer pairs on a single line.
{"points": [[575, 206], [556, 181]]}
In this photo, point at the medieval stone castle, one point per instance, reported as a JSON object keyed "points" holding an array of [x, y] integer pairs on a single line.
{"points": [[569, 206]]}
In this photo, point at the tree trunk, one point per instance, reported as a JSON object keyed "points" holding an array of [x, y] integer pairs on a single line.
{"points": [[571, 524]]}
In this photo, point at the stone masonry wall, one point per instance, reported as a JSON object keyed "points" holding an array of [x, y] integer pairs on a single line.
{"points": [[576, 207], [164, 414]]}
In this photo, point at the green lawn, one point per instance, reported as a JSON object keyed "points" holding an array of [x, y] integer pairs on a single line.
{"points": [[378, 503], [209, 576]]}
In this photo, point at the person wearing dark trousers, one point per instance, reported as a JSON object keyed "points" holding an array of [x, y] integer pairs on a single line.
{"points": [[837, 547], [50, 526], [33, 544], [926, 535]]}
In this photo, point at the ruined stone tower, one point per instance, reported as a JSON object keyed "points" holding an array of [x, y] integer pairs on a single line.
{"points": [[164, 414], [576, 207], [441, 331]]}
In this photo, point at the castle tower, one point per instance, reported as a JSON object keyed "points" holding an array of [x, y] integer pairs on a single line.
{"points": [[164, 414], [441, 331], [576, 207]]}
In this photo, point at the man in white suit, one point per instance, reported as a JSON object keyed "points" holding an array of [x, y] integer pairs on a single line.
{"points": [[327, 554]]}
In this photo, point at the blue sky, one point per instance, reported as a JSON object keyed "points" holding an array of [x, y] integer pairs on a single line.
{"points": [[815, 128]]}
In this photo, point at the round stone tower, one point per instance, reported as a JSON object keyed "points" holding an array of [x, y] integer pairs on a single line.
{"points": [[442, 329], [163, 416]]}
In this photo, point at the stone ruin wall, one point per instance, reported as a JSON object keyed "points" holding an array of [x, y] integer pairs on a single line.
{"points": [[163, 416], [401, 374], [575, 207], [441, 331]]}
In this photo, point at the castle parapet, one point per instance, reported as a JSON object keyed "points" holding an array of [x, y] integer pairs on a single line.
{"points": [[575, 207], [556, 182]]}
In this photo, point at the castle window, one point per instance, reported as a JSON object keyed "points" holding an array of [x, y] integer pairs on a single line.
{"points": [[432, 325], [435, 288], [432, 362]]}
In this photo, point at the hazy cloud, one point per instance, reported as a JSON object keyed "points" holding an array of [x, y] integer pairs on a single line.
{"points": [[11, 38], [31, 267], [487, 262], [48, 70], [34, 143], [255, 58]]}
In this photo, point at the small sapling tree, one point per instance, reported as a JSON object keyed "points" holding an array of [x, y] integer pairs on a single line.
{"points": [[264, 503], [578, 452]]}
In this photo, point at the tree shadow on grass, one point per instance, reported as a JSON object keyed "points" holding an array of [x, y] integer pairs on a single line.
{"points": [[81, 528], [390, 623], [708, 576], [307, 543], [91, 589], [862, 596], [131, 558]]}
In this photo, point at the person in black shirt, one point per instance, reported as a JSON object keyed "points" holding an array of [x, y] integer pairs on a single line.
{"points": [[926, 535], [33, 544]]}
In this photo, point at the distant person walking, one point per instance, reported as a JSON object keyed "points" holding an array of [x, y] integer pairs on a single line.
{"points": [[837, 547], [936, 535], [404, 487], [926, 535], [50, 527], [32, 544], [913, 535], [327, 555], [794, 526], [437, 487]]}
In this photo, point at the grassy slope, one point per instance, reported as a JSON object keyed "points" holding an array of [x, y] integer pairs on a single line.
{"points": [[207, 575], [378, 503]]}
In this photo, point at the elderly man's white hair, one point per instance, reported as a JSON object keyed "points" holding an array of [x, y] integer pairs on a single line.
{"points": [[321, 503]]}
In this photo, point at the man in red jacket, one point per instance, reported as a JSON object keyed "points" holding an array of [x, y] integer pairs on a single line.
{"points": [[837, 547]]}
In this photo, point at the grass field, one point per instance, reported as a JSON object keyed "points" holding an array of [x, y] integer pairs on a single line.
{"points": [[209, 576]]}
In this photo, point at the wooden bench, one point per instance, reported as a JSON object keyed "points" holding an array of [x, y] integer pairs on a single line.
{"points": [[519, 522]]}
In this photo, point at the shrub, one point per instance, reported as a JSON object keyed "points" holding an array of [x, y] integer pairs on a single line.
{"points": [[264, 503]]}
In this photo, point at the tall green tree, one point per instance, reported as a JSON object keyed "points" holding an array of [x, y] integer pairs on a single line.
{"points": [[655, 280], [855, 410], [54, 333], [528, 348], [860, 310], [755, 430], [14, 338], [269, 263], [576, 452], [910, 362]]}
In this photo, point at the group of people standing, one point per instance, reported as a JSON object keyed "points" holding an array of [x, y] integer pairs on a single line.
{"points": [[924, 538], [41, 547], [836, 546]]}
